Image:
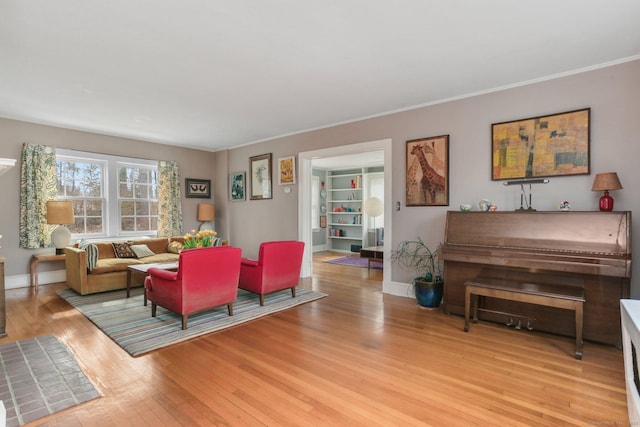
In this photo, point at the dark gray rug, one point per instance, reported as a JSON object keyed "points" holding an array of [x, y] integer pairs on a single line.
{"points": [[38, 377]]}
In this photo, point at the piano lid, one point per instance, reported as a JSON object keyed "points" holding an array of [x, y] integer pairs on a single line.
{"points": [[601, 233]]}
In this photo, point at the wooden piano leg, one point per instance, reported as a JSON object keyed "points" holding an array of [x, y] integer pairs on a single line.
{"points": [[467, 308], [475, 303], [579, 343]]}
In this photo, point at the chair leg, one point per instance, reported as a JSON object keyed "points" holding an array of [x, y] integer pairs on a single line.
{"points": [[230, 308], [153, 309], [184, 321], [261, 299], [293, 292]]}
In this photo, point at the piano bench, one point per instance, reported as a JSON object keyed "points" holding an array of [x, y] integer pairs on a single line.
{"points": [[560, 296]]}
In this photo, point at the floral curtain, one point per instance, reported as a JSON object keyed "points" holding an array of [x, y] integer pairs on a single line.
{"points": [[38, 184], [169, 201]]}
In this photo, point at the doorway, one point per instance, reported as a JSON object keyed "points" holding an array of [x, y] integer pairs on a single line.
{"points": [[306, 160]]}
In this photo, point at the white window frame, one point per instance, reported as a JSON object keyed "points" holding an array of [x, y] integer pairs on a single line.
{"points": [[111, 204], [103, 164], [134, 199]]}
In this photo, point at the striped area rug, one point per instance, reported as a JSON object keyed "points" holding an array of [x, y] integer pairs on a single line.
{"points": [[129, 323]]}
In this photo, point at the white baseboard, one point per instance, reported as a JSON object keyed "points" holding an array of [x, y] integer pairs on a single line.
{"points": [[45, 277], [398, 289]]}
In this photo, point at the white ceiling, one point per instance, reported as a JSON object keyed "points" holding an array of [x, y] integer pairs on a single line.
{"points": [[214, 74]]}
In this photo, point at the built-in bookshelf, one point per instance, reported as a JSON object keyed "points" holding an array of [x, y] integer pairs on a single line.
{"points": [[344, 210]]}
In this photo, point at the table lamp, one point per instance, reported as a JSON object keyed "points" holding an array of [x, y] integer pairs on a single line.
{"points": [[60, 213], [606, 182], [206, 214]]}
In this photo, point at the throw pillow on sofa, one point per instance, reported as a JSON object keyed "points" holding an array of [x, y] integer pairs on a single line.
{"points": [[142, 251], [174, 247], [92, 253], [123, 250]]}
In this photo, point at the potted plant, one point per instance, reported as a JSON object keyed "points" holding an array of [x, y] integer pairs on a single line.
{"points": [[415, 255]]}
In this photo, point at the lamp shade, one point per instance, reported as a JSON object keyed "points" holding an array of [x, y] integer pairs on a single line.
{"points": [[59, 212], [606, 182], [206, 212], [373, 207]]}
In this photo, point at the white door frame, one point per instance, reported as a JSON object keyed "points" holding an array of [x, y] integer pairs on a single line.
{"points": [[304, 198]]}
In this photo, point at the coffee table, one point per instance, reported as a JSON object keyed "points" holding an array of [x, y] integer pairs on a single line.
{"points": [[142, 270]]}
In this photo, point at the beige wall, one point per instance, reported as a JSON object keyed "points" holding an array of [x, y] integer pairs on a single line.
{"points": [[612, 93]]}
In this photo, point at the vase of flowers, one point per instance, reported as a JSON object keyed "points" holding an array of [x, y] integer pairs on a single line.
{"points": [[201, 239]]}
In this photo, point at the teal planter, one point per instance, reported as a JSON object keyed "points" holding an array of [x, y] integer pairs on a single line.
{"points": [[428, 294]]}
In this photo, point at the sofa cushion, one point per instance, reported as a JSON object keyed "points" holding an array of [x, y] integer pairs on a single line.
{"points": [[114, 264], [105, 250], [156, 244], [160, 258], [123, 250], [142, 251], [174, 247]]}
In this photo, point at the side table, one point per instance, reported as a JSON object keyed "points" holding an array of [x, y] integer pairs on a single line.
{"points": [[37, 259], [372, 253]]}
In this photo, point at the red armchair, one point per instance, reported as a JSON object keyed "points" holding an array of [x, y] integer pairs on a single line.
{"points": [[278, 267], [206, 278]]}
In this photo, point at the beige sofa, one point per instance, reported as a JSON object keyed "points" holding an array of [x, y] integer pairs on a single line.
{"points": [[110, 272]]}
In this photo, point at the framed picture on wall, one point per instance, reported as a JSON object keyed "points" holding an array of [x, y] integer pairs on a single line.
{"points": [[427, 180], [198, 188], [287, 170], [260, 176], [543, 146], [237, 186]]}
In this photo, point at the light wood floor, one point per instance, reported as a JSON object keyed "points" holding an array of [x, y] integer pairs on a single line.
{"points": [[357, 358]]}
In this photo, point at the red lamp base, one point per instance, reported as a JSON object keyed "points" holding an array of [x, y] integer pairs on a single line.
{"points": [[606, 202]]}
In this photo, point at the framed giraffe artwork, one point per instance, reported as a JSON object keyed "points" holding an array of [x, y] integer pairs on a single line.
{"points": [[544, 146], [428, 171]]}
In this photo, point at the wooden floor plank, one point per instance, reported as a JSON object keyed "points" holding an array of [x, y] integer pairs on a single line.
{"points": [[357, 357]]}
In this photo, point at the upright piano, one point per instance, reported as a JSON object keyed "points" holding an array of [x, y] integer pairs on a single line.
{"points": [[594, 247]]}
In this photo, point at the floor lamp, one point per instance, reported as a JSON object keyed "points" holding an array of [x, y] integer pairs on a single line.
{"points": [[373, 207]]}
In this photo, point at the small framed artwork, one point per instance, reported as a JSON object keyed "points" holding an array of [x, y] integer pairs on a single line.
{"points": [[287, 170], [427, 178], [542, 146], [323, 221], [237, 186], [260, 176], [198, 188]]}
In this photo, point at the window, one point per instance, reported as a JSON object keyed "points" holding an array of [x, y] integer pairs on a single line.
{"points": [[138, 198], [112, 196], [82, 181]]}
